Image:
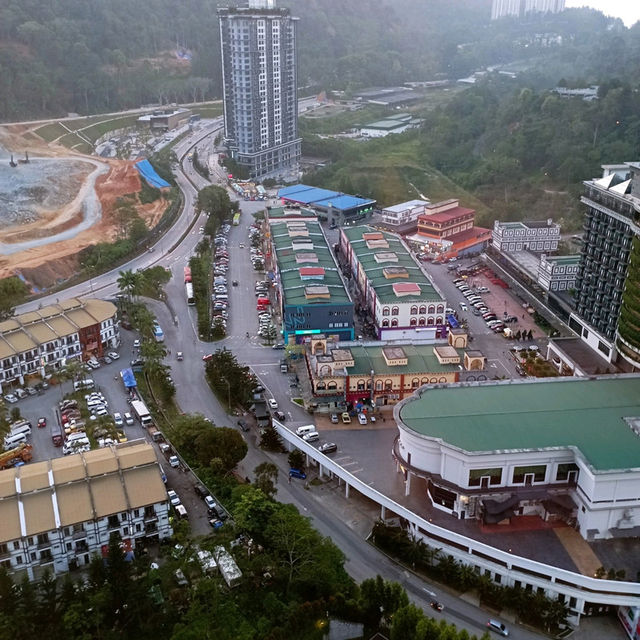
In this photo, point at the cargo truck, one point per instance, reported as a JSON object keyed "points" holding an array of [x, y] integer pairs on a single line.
{"points": [[140, 411]]}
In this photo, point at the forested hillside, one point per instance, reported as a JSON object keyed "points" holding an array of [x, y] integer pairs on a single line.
{"points": [[91, 56]]}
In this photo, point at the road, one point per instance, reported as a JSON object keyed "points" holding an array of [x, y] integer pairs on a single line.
{"points": [[193, 394]]}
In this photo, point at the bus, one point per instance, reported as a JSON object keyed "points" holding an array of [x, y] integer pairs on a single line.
{"points": [[236, 219], [158, 333], [190, 298], [187, 274]]}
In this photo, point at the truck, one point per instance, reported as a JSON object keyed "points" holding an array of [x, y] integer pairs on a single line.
{"points": [[140, 411], [263, 417], [158, 333], [21, 454], [56, 435]]}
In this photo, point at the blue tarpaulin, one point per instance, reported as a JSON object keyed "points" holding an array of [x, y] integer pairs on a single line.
{"points": [[453, 322], [128, 379], [149, 174]]}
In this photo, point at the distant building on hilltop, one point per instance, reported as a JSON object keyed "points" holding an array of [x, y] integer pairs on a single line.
{"points": [[260, 88], [517, 8]]}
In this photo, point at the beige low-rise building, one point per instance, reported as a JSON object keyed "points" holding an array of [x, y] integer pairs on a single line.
{"points": [[378, 374], [57, 514], [40, 342]]}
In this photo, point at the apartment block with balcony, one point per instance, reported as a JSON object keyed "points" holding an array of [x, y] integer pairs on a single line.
{"points": [[57, 514], [607, 313], [533, 235], [38, 342], [259, 77]]}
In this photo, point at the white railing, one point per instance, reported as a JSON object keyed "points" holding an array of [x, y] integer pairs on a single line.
{"points": [[469, 551]]}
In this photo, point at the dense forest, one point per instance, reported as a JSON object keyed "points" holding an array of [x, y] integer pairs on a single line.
{"points": [[103, 55]]}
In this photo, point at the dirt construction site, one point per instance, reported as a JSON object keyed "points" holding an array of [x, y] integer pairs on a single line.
{"points": [[55, 202]]}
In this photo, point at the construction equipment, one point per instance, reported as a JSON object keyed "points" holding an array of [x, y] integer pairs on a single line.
{"points": [[12, 162], [22, 453], [25, 160]]}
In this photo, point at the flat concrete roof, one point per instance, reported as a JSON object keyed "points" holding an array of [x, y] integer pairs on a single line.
{"points": [[585, 413], [375, 270]]}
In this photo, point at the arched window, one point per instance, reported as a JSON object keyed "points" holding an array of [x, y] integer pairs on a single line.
{"points": [[332, 385], [424, 381], [423, 308], [385, 311], [388, 385], [394, 322], [439, 321], [412, 322], [415, 383], [440, 308], [395, 311], [430, 322], [320, 386], [442, 379], [378, 385], [385, 323], [414, 310], [433, 380], [432, 309], [360, 385], [422, 322], [325, 370], [368, 385]]}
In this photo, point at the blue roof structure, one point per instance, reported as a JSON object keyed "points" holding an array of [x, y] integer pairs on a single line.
{"points": [[146, 170], [305, 194], [128, 379]]}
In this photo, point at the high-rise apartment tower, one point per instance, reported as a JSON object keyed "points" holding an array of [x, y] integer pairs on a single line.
{"points": [[260, 87], [503, 8], [608, 282]]}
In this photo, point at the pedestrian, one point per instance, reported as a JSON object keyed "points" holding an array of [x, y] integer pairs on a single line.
{"points": [[523, 316], [289, 479]]}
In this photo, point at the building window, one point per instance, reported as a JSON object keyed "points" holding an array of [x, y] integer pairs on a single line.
{"points": [[529, 474], [562, 473], [394, 322], [388, 385], [332, 386], [385, 323], [415, 383], [423, 308], [492, 477], [440, 309], [430, 322], [360, 385], [414, 310], [321, 386], [395, 311], [378, 385], [385, 311], [432, 309], [413, 322]]}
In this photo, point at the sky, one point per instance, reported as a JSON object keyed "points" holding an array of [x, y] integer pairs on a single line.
{"points": [[628, 10]]}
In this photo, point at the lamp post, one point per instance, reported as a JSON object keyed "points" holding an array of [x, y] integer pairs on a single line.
{"points": [[372, 375]]}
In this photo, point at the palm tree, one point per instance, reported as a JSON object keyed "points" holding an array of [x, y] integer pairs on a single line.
{"points": [[152, 350], [127, 281]]}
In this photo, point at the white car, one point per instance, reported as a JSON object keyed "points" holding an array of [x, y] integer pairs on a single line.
{"points": [[10, 398], [362, 418], [113, 355], [174, 498], [128, 419], [136, 343], [117, 418], [273, 404], [174, 461]]}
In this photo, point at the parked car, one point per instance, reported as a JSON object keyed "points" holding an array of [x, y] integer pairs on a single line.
{"points": [[498, 627], [174, 461], [201, 490], [210, 502], [128, 419], [334, 418], [279, 415], [328, 447], [362, 418], [273, 403], [346, 418], [113, 355], [117, 418], [243, 425], [10, 398], [297, 473], [174, 498]]}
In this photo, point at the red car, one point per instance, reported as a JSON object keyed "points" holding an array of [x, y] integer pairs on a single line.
{"points": [[207, 357], [42, 422]]}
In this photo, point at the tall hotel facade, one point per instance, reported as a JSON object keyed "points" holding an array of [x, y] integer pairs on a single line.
{"points": [[503, 8], [260, 87]]}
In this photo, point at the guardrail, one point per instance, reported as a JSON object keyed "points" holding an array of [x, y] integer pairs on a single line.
{"points": [[510, 567]]}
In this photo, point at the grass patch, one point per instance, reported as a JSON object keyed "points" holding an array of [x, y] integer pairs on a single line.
{"points": [[298, 401], [83, 147], [96, 131], [209, 112], [49, 132], [71, 140]]}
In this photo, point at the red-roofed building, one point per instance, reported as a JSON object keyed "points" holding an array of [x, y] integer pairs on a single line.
{"points": [[312, 272], [449, 228]]}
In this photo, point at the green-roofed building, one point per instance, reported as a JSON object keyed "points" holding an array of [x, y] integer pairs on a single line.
{"points": [[567, 449], [402, 300], [312, 293]]}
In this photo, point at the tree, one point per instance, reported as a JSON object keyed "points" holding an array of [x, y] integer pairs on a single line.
{"points": [[266, 478], [380, 599], [129, 282], [270, 439], [252, 510], [12, 293], [14, 414], [296, 459], [405, 622]]}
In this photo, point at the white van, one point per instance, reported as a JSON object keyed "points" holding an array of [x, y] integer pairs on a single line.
{"points": [[181, 512], [12, 441], [25, 428], [87, 383], [308, 428], [76, 435], [312, 436]]}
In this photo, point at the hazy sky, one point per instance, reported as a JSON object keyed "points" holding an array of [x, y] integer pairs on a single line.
{"points": [[628, 10]]}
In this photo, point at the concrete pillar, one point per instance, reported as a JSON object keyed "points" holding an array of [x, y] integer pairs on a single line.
{"points": [[320, 470], [407, 484], [346, 489], [383, 512]]}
